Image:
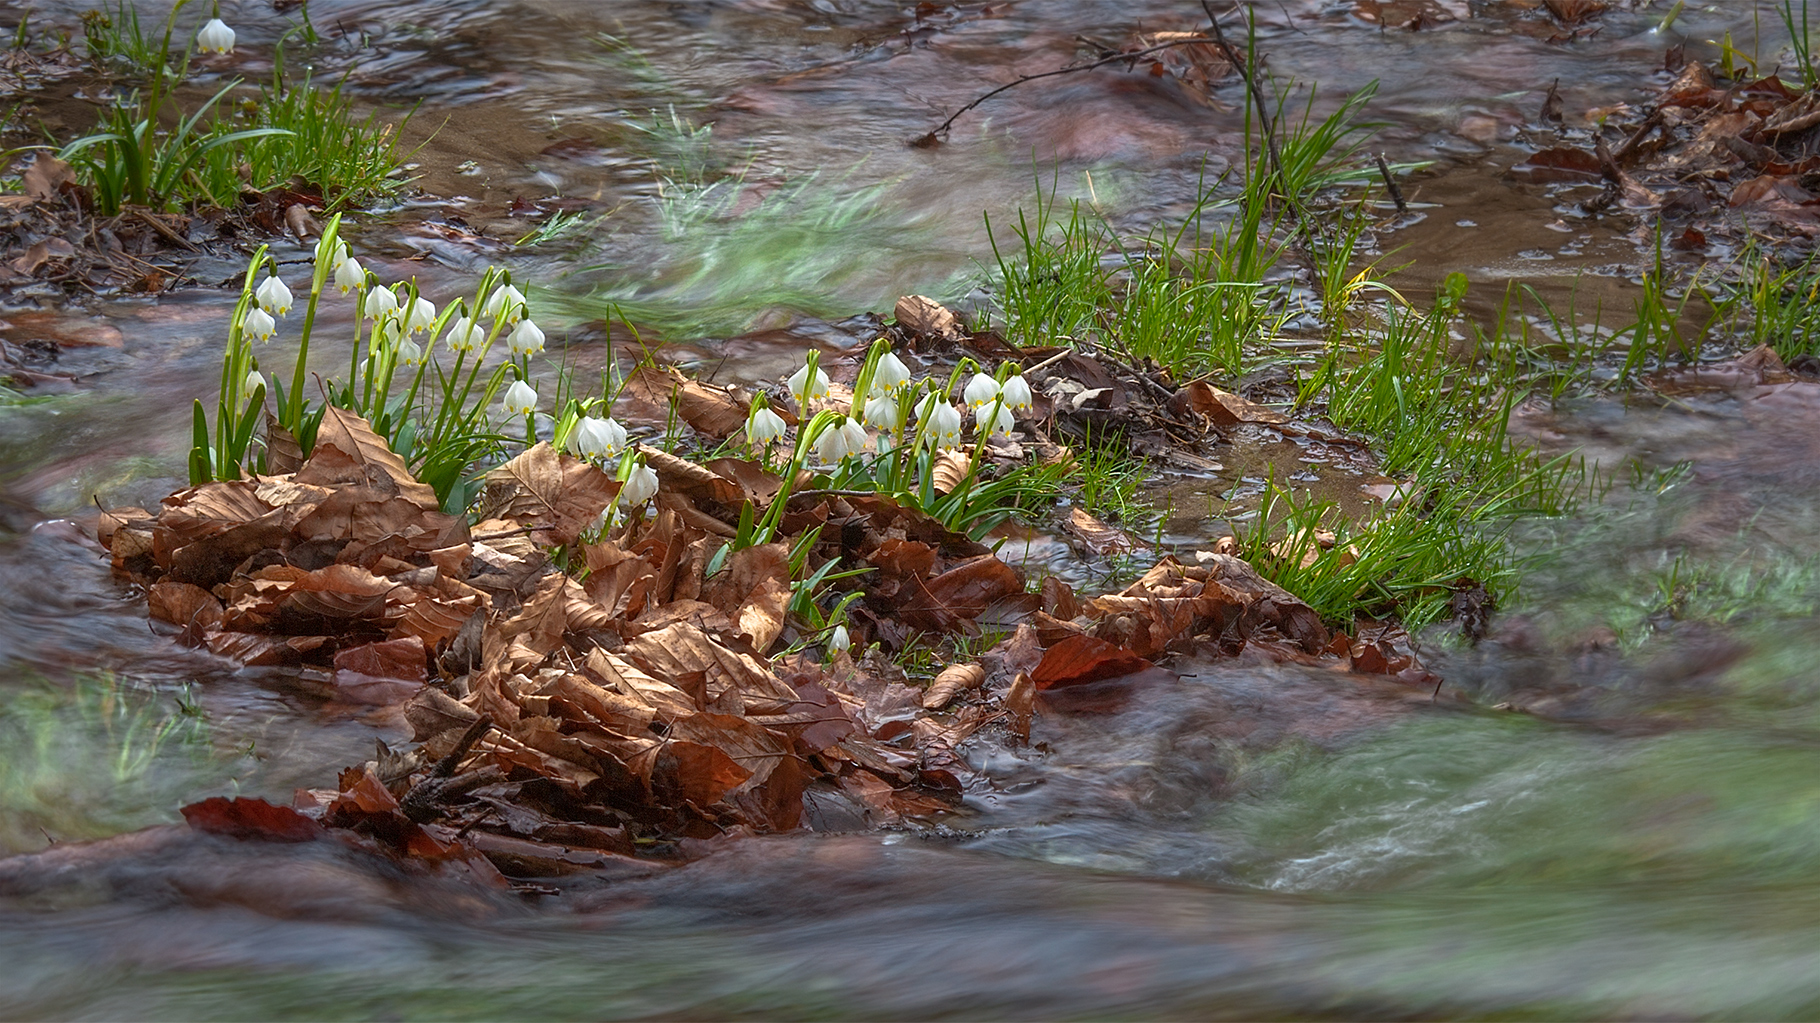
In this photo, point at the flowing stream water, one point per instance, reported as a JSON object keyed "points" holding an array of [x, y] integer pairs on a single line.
{"points": [[1249, 840]]}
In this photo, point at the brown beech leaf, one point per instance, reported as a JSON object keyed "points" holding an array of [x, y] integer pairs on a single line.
{"points": [[1223, 408], [730, 677], [558, 496], [953, 680], [45, 178], [339, 591], [752, 746], [714, 411], [949, 471], [1099, 537], [1557, 164], [348, 451], [183, 604], [1078, 660], [1020, 703], [970, 588], [210, 509], [666, 701], [282, 452], [921, 315]]}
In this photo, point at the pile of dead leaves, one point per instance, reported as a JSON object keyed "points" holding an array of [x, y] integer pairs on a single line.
{"points": [[1701, 151], [577, 697]]}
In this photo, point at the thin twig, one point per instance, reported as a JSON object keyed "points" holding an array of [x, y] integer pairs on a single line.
{"points": [[924, 141], [1390, 182]]}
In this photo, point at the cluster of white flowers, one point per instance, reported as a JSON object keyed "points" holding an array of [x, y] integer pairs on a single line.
{"points": [[995, 407], [397, 313]]}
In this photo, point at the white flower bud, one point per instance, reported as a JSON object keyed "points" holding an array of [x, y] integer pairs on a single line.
{"points": [[273, 296], [838, 639], [259, 324], [215, 37], [520, 399], [525, 339], [409, 353], [254, 381]]}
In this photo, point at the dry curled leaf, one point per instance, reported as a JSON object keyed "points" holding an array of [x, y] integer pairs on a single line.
{"points": [[954, 680]]}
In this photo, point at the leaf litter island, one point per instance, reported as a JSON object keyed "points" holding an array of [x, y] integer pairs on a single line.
{"points": [[580, 695]]}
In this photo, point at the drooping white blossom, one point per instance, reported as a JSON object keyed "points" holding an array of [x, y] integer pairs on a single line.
{"points": [[881, 412], [806, 388], [465, 335], [764, 426], [639, 486], [889, 374], [259, 324], [520, 399], [1017, 393], [525, 339], [994, 420], [215, 37], [597, 439], [350, 275], [273, 296], [421, 317], [980, 390], [378, 302], [508, 302]]}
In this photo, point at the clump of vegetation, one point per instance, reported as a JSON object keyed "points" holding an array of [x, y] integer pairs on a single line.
{"points": [[228, 142]]}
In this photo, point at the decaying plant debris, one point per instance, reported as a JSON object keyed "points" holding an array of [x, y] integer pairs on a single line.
{"points": [[578, 699]]}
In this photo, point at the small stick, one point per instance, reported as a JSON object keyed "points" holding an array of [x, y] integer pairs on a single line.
{"points": [[925, 141], [419, 804], [1390, 182]]}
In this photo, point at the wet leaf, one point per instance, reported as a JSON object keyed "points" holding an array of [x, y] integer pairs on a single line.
{"points": [[251, 819], [1078, 660], [1099, 537], [45, 179]]}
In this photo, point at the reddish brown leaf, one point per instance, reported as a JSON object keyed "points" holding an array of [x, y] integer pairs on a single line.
{"points": [[251, 819], [1078, 660]]}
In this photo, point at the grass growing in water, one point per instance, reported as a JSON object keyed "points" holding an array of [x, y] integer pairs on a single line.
{"points": [[206, 155], [95, 757]]}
